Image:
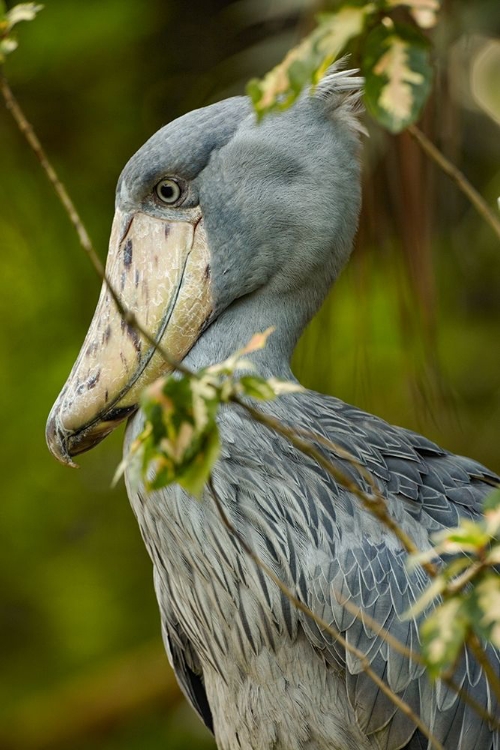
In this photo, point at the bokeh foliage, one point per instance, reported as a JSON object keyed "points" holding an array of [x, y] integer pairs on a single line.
{"points": [[410, 333]]}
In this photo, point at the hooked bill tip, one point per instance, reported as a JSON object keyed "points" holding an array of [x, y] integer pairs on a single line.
{"points": [[64, 443], [57, 444]]}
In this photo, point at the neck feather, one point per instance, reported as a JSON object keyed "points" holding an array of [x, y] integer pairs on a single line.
{"points": [[287, 313]]}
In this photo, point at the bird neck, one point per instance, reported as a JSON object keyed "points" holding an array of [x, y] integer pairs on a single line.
{"points": [[287, 313]]}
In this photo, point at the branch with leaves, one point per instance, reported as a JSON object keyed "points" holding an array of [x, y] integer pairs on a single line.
{"points": [[9, 20], [395, 60]]}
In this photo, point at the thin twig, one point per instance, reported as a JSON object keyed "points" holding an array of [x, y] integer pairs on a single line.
{"points": [[37, 148], [129, 317], [365, 664], [458, 178], [479, 654]]}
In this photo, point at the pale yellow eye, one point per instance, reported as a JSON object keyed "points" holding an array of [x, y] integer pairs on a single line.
{"points": [[168, 191]]}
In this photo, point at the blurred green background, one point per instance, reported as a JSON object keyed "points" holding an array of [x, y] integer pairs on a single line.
{"points": [[410, 333]]}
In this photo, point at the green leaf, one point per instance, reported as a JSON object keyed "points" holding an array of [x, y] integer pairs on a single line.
{"points": [[423, 12], [205, 402], [180, 441], [470, 536], [256, 387], [196, 474], [284, 386], [493, 556], [486, 597], [306, 63], [22, 12], [9, 19], [443, 634], [398, 75], [492, 501], [164, 474], [7, 45]]}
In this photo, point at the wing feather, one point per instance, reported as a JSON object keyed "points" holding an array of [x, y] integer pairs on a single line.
{"points": [[349, 557]]}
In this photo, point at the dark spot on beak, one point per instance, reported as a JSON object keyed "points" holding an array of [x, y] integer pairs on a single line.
{"points": [[122, 281], [135, 338], [137, 277], [91, 350], [167, 230], [92, 382], [107, 335], [127, 253], [208, 271], [106, 395]]}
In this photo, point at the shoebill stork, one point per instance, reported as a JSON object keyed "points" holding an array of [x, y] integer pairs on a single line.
{"points": [[224, 227]]}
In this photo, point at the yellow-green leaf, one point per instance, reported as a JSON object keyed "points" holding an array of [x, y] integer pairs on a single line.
{"points": [[398, 75], [256, 387], [492, 501], [21, 12], [7, 46], [9, 19], [284, 386], [493, 556], [443, 634], [305, 64], [258, 341], [488, 600], [470, 536], [424, 12], [195, 476]]}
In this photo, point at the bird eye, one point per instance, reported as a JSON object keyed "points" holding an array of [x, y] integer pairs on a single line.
{"points": [[168, 191]]}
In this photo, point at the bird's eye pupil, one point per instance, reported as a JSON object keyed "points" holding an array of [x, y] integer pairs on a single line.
{"points": [[168, 191]]}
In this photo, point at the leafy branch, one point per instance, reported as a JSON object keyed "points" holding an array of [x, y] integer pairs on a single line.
{"points": [[469, 588], [395, 60], [8, 20], [396, 65], [180, 442]]}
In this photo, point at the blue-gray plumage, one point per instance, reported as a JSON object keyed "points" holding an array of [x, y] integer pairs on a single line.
{"points": [[277, 204]]}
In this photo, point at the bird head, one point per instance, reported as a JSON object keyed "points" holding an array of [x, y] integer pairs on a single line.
{"points": [[213, 208]]}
